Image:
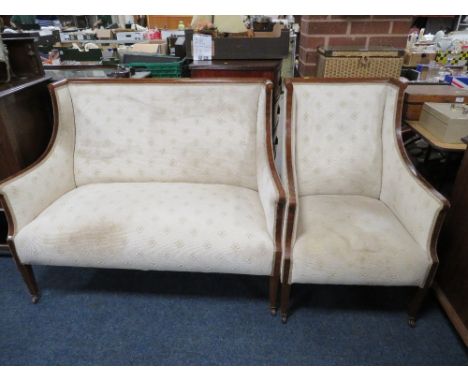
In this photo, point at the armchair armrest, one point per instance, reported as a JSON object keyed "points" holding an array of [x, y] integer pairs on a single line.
{"points": [[411, 198], [271, 192], [290, 181], [26, 194]]}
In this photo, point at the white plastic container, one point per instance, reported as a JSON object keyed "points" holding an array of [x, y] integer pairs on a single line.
{"points": [[446, 122]]}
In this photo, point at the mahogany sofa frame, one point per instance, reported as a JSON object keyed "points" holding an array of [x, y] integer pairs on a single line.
{"points": [[416, 302], [26, 270]]}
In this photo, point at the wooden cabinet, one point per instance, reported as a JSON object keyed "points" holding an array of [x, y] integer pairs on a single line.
{"points": [[25, 129], [169, 22], [416, 95], [267, 69], [25, 124], [452, 277], [25, 112]]}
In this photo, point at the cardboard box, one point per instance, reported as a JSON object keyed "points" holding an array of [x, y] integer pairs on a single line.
{"points": [[275, 33], [413, 59], [104, 34], [151, 47], [446, 122], [244, 48]]}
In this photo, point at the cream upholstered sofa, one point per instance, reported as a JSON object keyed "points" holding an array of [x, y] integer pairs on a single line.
{"points": [[357, 211], [174, 175]]}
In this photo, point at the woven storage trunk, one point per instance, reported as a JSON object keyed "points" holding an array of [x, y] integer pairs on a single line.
{"points": [[359, 63]]}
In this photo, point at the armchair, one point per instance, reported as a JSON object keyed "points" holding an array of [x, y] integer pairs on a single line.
{"points": [[174, 175], [357, 210]]}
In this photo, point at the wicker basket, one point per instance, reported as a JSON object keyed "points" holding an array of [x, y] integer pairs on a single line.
{"points": [[356, 63]]}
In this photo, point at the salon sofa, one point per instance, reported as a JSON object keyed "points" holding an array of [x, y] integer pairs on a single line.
{"points": [[167, 175], [358, 213]]}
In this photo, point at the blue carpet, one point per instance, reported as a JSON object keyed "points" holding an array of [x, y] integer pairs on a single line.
{"points": [[116, 317]]}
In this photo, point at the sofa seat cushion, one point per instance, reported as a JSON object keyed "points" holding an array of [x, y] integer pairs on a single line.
{"points": [[347, 239], [152, 226]]}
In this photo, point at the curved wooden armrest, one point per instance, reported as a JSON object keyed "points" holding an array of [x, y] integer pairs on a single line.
{"points": [[420, 180], [290, 176], [276, 180], [25, 194]]}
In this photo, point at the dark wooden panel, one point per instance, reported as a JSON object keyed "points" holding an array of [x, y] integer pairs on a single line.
{"points": [[416, 95], [452, 277], [25, 125], [25, 129]]}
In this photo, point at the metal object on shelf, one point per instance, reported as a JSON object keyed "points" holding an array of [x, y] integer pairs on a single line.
{"points": [[4, 63]]}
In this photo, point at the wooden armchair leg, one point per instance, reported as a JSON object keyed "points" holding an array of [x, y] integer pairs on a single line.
{"points": [[274, 284], [26, 273], [415, 305], [285, 292], [28, 277]]}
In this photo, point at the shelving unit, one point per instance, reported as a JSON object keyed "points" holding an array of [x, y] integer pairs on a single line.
{"points": [[461, 25]]}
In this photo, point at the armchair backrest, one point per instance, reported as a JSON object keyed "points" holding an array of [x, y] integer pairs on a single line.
{"points": [[167, 131], [338, 136]]}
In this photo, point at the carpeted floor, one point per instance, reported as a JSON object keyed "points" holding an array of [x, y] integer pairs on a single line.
{"points": [[114, 317]]}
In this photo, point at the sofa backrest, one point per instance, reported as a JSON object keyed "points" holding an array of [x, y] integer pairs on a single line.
{"points": [[168, 132], [338, 137]]}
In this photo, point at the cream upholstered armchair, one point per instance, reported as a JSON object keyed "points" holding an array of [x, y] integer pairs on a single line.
{"points": [[357, 211], [174, 175]]}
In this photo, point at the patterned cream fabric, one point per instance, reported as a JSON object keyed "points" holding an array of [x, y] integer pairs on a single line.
{"points": [[339, 138], [34, 190], [376, 228], [152, 176], [350, 239], [415, 206], [165, 133], [157, 226]]}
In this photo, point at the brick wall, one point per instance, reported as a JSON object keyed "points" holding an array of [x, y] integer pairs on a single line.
{"points": [[361, 31]]}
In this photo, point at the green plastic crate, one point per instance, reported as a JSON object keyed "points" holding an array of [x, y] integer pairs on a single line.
{"points": [[160, 69]]}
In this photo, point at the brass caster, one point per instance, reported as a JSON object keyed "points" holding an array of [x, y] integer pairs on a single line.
{"points": [[273, 311], [412, 322], [284, 318], [35, 298]]}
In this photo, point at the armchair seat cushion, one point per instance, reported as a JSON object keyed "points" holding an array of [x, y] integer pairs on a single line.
{"points": [[152, 226], [347, 239]]}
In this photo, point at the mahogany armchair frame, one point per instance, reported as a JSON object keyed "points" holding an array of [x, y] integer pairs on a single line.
{"points": [[290, 214]]}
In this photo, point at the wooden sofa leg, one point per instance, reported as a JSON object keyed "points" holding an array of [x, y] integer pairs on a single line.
{"points": [[274, 284], [285, 292], [26, 273], [28, 276], [415, 305]]}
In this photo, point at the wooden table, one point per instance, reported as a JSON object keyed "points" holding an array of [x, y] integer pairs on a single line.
{"points": [[451, 284], [433, 141], [416, 95]]}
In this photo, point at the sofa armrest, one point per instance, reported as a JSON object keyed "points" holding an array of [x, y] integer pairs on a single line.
{"points": [[290, 182], [26, 194], [418, 206], [270, 189]]}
